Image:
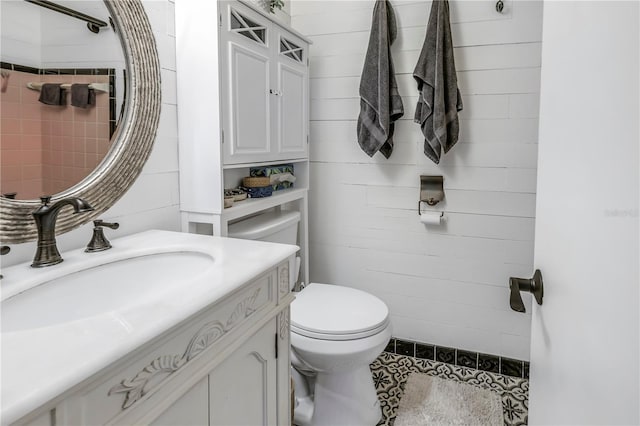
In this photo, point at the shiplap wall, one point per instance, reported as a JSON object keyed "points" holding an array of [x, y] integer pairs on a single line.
{"points": [[153, 200], [446, 285]]}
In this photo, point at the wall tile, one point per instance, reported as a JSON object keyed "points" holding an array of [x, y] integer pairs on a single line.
{"points": [[489, 363], [425, 351], [444, 354], [405, 348], [466, 359]]}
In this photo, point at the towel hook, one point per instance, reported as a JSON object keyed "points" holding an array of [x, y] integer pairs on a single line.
{"points": [[499, 6]]}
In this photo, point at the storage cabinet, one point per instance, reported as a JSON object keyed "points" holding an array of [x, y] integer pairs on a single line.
{"points": [[265, 90], [245, 85]]}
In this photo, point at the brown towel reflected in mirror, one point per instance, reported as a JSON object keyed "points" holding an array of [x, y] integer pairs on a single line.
{"points": [[53, 94], [82, 96]]}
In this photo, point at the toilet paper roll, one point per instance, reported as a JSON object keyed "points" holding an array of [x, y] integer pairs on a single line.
{"points": [[431, 218]]}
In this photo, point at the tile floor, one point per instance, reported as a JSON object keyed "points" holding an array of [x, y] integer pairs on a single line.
{"points": [[390, 373]]}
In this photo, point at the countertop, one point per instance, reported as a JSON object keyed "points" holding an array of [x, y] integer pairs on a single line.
{"points": [[39, 364]]}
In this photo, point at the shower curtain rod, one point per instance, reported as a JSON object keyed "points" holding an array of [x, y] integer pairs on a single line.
{"points": [[93, 24]]}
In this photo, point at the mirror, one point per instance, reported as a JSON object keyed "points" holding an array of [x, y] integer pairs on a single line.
{"points": [[130, 144], [49, 148]]}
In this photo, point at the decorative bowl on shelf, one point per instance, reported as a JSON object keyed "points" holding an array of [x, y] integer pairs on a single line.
{"points": [[228, 202], [238, 194]]}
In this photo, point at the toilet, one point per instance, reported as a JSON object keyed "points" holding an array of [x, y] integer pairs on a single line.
{"points": [[336, 332]]}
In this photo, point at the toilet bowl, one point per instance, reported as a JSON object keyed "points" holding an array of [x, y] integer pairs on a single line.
{"points": [[336, 332]]}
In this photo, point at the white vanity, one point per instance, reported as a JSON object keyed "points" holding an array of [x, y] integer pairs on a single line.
{"points": [[165, 328]]}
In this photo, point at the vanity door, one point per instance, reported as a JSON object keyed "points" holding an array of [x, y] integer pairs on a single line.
{"points": [[243, 388], [192, 409]]}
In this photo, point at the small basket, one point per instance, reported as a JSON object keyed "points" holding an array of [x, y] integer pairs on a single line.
{"points": [[264, 191], [237, 194], [228, 202], [256, 181]]}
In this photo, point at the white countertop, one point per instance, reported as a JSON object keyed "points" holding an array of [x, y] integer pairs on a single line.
{"points": [[39, 364]]}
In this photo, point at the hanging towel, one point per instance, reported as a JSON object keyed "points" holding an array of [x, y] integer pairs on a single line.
{"points": [[380, 103], [439, 99], [52, 94], [82, 96]]}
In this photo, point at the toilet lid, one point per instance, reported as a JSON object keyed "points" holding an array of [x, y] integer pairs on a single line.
{"points": [[331, 312]]}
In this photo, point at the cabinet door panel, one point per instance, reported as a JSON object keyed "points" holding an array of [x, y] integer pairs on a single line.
{"points": [[192, 409], [243, 388], [249, 105], [293, 130]]}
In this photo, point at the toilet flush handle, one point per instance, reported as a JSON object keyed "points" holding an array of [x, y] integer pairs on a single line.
{"points": [[533, 286]]}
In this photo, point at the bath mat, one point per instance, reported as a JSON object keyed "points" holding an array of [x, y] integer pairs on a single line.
{"points": [[429, 400]]}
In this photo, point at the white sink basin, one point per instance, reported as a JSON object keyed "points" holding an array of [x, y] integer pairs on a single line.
{"points": [[98, 290]]}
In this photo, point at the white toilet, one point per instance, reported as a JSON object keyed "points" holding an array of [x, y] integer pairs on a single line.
{"points": [[336, 332]]}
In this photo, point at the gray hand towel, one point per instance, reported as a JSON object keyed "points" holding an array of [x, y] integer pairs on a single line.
{"points": [[52, 94], [380, 103], [439, 99], [82, 96]]}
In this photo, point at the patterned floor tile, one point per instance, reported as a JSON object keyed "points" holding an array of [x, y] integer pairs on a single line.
{"points": [[390, 373]]}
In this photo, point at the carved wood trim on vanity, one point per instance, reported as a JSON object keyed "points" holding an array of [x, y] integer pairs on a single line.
{"points": [[210, 332], [283, 324], [283, 280]]}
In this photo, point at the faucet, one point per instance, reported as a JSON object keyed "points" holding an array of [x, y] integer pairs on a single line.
{"points": [[47, 252], [4, 250]]}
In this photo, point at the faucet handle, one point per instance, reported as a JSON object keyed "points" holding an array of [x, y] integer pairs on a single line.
{"points": [[98, 241], [45, 199], [100, 222], [4, 250]]}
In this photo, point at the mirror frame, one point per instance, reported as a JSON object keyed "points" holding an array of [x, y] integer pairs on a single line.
{"points": [[132, 142]]}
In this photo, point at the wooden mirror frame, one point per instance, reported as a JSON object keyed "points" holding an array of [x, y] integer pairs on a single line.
{"points": [[133, 139]]}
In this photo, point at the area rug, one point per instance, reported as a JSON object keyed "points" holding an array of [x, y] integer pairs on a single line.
{"points": [[429, 400]]}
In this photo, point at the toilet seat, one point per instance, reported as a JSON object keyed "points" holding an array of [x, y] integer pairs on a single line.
{"points": [[330, 312]]}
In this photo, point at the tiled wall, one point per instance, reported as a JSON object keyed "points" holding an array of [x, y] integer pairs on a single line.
{"points": [[460, 357], [153, 201], [46, 149], [20, 139], [449, 284]]}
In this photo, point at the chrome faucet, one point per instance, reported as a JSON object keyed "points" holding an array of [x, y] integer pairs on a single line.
{"points": [[47, 252]]}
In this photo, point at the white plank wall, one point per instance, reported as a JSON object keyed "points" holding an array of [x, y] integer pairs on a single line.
{"points": [[445, 285]]}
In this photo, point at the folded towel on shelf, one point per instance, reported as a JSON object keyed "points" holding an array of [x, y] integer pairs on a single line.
{"points": [[82, 96], [52, 94], [439, 99], [380, 103]]}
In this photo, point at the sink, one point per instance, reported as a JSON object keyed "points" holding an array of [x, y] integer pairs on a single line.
{"points": [[102, 289]]}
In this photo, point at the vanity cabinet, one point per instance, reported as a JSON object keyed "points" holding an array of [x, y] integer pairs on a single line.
{"points": [[226, 365], [242, 390], [243, 90]]}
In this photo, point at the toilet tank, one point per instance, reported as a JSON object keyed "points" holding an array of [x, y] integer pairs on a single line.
{"points": [[275, 227]]}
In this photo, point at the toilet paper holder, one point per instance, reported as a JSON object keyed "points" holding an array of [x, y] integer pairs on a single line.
{"points": [[431, 190]]}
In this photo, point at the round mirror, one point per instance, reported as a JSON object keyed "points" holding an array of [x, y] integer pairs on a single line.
{"points": [[113, 108]]}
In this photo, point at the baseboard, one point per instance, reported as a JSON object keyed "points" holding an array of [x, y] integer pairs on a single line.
{"points": [[460, 357]]}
